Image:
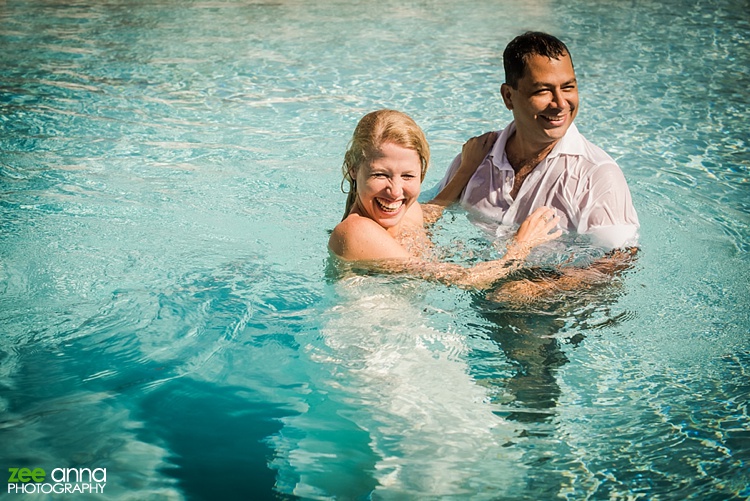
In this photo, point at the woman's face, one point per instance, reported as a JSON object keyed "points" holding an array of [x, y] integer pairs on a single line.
{"points": [[389, 185]]}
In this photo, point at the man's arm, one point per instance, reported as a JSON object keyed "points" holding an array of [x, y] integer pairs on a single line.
{"points": [[600, 272], [606, 208], [608, 215]]}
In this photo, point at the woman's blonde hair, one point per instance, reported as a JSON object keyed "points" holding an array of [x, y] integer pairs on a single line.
{"points": [[372, 131]]}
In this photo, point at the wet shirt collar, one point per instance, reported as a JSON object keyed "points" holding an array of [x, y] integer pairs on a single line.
{"points": [[570, 144]]}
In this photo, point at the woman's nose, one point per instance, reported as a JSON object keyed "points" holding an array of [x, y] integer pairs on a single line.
{"points": [[395, 188]]}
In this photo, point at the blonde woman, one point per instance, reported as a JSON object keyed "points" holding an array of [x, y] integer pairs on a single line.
{"points": [[384, 226]]}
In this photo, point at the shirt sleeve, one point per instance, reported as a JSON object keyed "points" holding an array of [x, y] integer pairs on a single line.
{"points": [[607, 212]]}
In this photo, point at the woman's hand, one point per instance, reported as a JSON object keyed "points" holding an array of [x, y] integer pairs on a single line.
{"points": [[475, 150], [473, 153], [535, 230]]}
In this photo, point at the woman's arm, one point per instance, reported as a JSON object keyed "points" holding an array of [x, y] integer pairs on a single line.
{"points": [[375, 251], [473, 153]]}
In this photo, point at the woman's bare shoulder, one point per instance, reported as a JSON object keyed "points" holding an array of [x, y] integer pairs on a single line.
{"points": [[360, 238]]}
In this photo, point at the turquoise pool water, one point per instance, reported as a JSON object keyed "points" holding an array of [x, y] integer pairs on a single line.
{"points": [[169, 175]]}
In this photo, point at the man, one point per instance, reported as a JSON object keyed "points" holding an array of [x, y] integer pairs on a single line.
{"points": [[541, 158]]}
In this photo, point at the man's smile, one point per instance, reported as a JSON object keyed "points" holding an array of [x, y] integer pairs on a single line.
{"points": [[555, 119]]}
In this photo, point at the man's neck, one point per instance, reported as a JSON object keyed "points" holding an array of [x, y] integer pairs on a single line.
{"points": [[524, 157]]}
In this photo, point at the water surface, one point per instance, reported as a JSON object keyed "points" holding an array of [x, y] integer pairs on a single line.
{"points": [[170, 172]]}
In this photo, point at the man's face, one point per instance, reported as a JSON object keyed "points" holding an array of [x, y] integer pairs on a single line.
{"points": [[546, 101]]}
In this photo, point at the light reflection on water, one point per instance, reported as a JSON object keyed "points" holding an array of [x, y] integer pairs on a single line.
{"points": [[169, 173]]}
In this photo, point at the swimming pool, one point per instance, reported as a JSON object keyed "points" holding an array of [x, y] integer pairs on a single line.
{"points": [[170, 172]]}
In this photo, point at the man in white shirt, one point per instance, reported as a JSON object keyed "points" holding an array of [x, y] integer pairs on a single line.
{"points": [[541, 159]]}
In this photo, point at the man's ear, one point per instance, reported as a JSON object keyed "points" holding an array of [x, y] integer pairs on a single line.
{"points": [[505, 92]]}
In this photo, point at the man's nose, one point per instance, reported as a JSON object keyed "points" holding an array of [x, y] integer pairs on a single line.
{"points": [[558, 99]]}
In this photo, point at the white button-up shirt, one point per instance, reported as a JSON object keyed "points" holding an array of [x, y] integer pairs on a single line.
{"points": [[579, 180]]}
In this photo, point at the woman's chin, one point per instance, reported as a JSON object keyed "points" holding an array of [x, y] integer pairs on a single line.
{"points": [[389, 220]]}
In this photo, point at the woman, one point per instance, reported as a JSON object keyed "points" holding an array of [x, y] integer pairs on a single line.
{"points": [[384, 225]]}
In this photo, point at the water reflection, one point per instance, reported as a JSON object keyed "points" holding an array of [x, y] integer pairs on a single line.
{"points": [[535, 335], [144, 144], [392, 398], [528, 341], [160, 384]]}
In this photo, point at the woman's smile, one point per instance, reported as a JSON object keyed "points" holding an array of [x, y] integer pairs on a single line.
{"points": [[389, 206]]}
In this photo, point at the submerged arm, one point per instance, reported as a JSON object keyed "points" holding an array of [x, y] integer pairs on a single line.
{"points": [[534, 231], [600, 272], [480, 276]]}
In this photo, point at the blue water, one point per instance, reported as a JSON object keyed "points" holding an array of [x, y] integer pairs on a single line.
{"points": [[169, 173]]}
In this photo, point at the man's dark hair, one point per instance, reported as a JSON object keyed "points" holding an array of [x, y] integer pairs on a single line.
{"points": [[521, 48]]}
